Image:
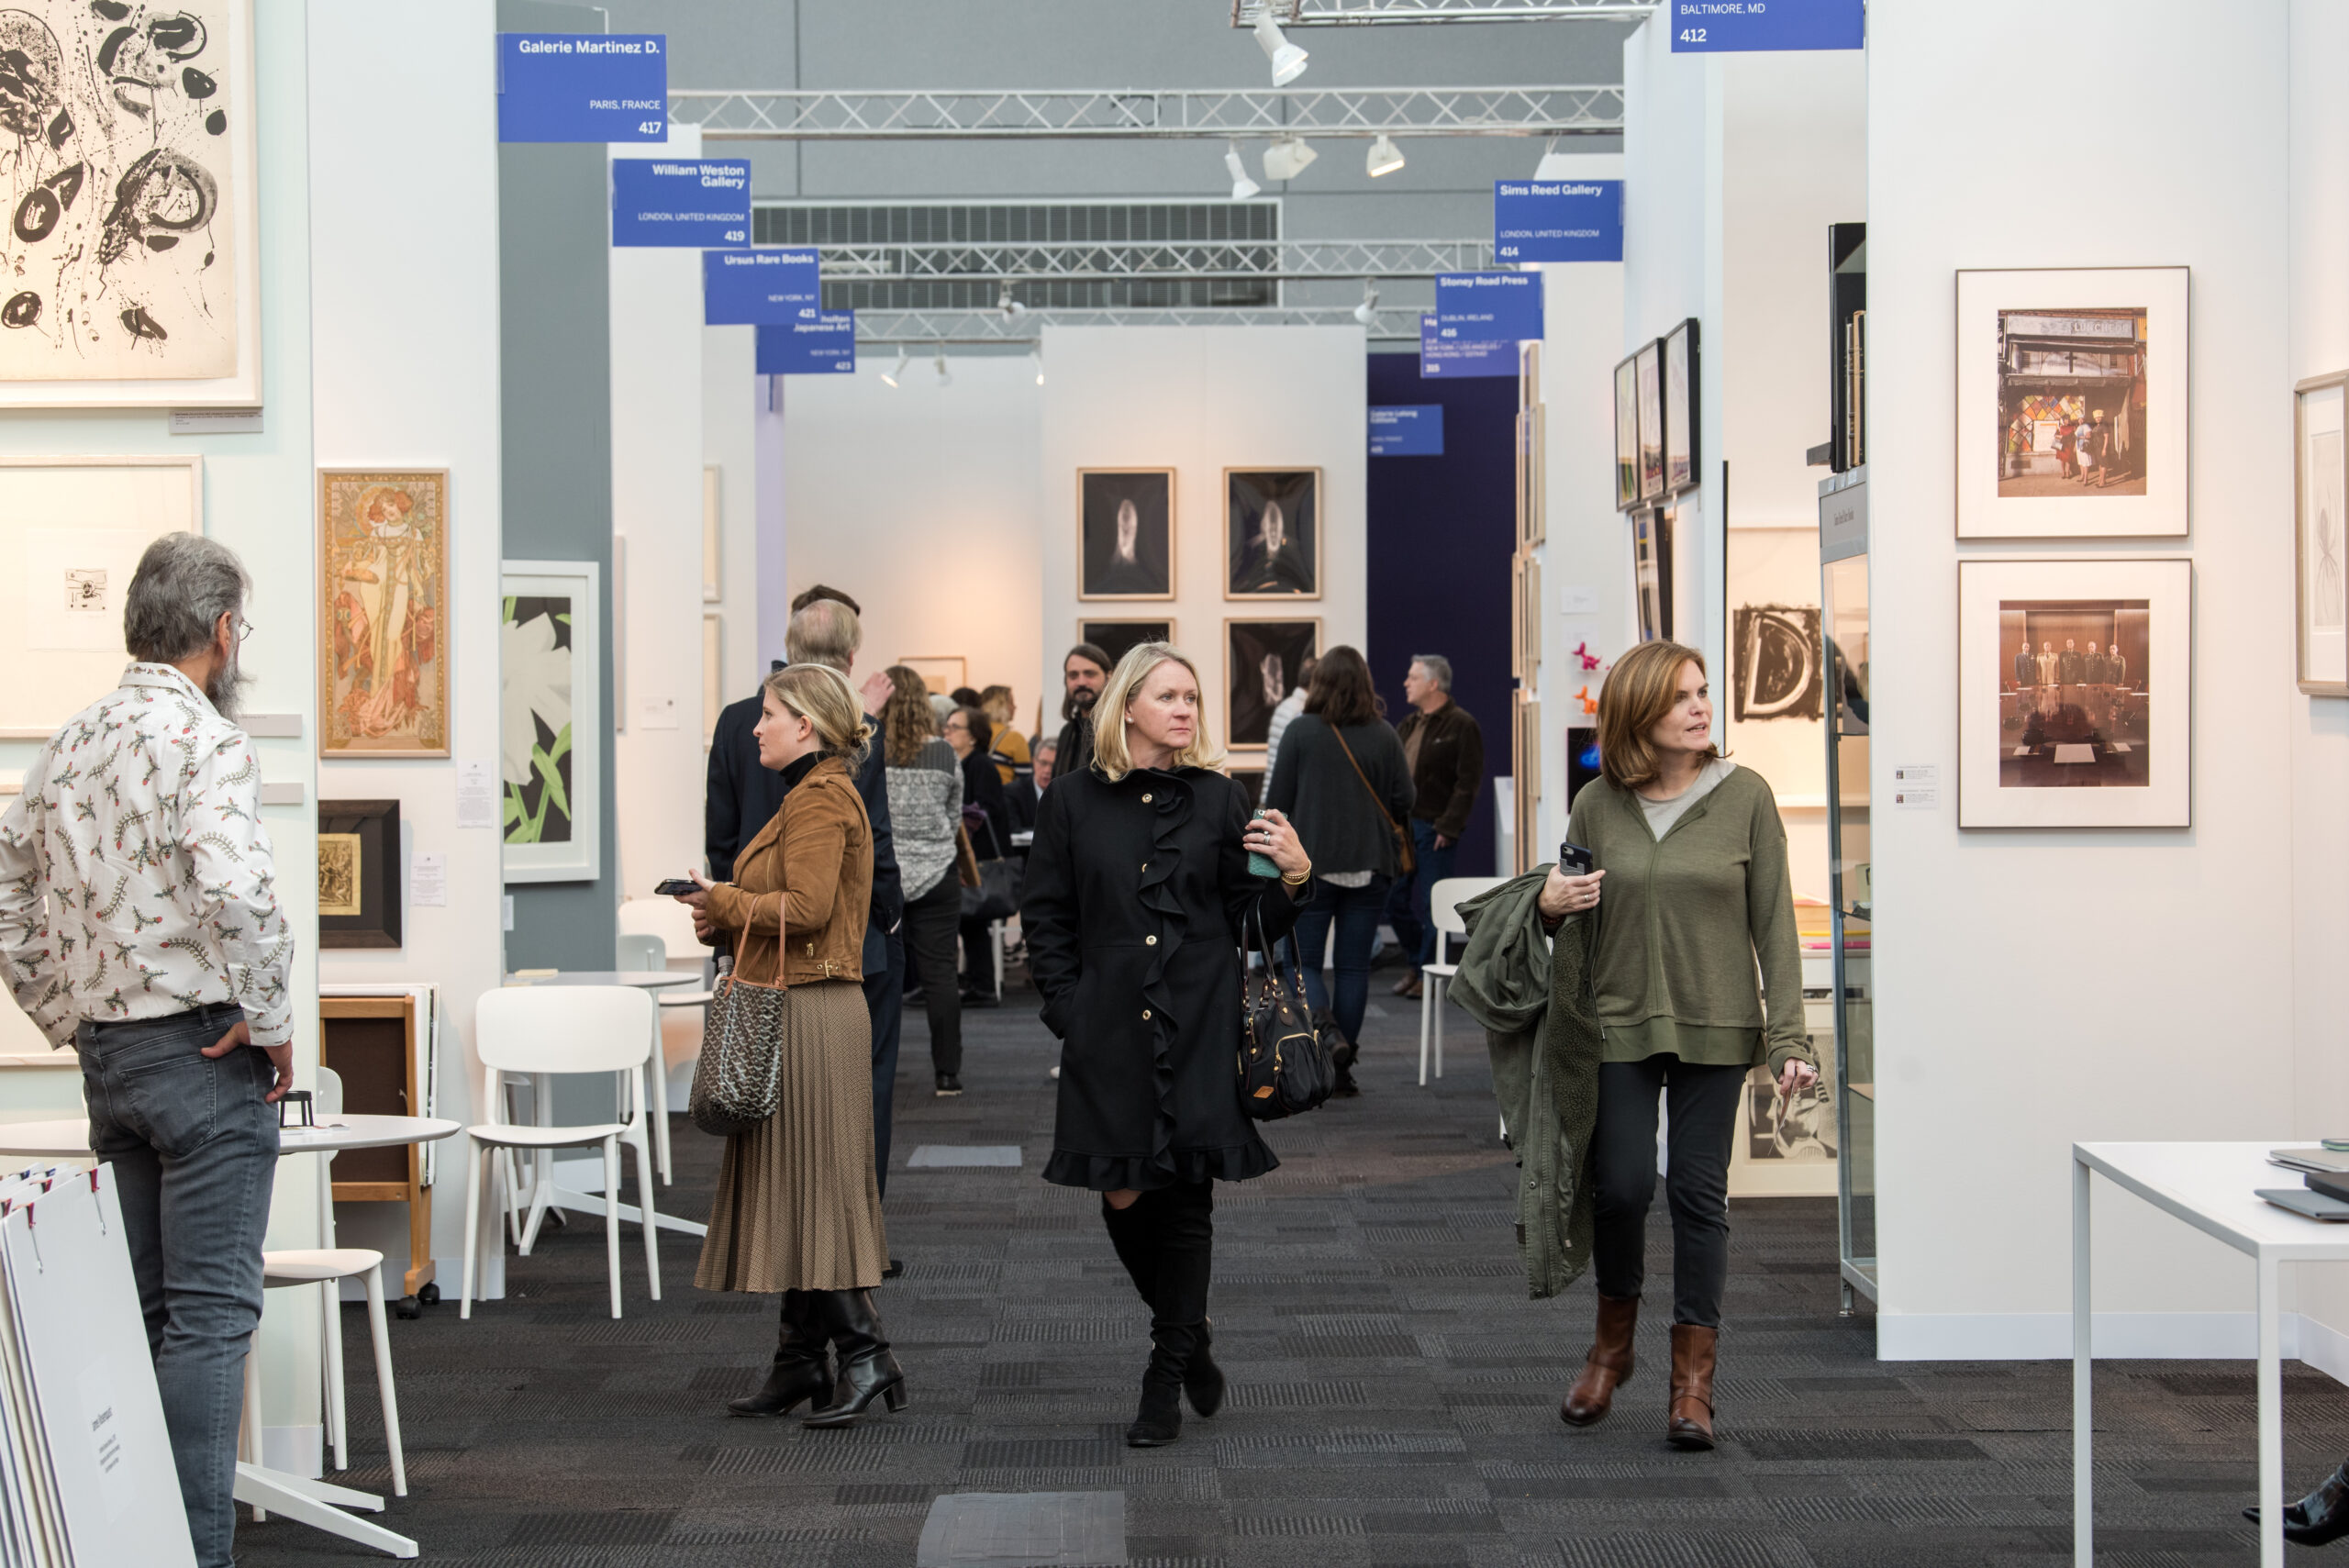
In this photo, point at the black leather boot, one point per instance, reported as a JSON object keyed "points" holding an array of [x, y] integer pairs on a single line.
{"points": [[2320, 1518], [1134, 1235], [1185, 1237], [1203, 1380], [868, 1372], [800, 1372], [1159, 1421]]}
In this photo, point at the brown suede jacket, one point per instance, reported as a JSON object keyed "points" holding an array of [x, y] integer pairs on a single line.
{"points": [[805, 881]]}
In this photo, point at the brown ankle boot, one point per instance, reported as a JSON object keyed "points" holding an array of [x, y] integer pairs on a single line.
{"points": [[1689, 1423], [1609, 1363]]}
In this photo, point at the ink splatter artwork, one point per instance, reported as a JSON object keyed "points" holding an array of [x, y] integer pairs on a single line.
{"points": [[116, 255]]}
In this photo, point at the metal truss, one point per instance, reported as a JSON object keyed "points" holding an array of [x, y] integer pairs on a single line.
{"points": [[918, 329], [1099, 260], [1205, 114], [1378, 13]]}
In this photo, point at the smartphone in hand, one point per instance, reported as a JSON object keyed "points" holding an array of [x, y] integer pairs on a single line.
{"points": [[1573, 858], [676, 886], [1261, 864]]}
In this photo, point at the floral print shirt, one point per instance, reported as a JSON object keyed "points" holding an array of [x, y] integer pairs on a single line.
{"points": [[136, 880]]}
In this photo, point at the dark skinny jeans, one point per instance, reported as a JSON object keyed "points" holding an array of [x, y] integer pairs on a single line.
{"points": [[1355, 912], [1702, 1106], [930, 923]]}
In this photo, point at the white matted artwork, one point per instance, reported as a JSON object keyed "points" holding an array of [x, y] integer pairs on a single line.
{"points": [[71, 531], [1774, 692], [2072, 403], [2074, 692], [941, 673], [2321, 488], [130, 181], [549, 714], [712, 672], [712, 551]]}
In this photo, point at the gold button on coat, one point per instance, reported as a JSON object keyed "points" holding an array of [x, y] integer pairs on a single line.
{"points": [[1149, 941], [1145, 1014], [1145, 797]]}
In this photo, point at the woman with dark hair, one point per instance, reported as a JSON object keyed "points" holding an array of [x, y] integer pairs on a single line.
{"points": [[1139, 896], [925, 782], [1340, 774], [988, 815], [1700, 903]]}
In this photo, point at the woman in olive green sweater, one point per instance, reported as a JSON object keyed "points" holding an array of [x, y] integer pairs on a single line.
{"points": [[1693, 859]]}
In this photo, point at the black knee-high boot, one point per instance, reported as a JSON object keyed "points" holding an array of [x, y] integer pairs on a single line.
{"points": [[1135, 1237], [1179, 1227]]}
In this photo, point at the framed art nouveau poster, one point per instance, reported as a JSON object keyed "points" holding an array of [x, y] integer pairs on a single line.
{"points": [[2071, 403], [550, 720], [2321, 486], [2074, 696], [383, 559]]}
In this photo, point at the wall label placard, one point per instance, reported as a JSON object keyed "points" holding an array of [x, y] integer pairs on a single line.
{"points": [[583, 88], [1722, 27], [1493, 308], [698, 203], [825, 346], [1444, 352], [1558, 220], [1406, 429], [760, 288]]}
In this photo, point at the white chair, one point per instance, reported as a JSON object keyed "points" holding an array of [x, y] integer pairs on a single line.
{"points": [[1443, 911], [574, 1029], [326, 1267]]}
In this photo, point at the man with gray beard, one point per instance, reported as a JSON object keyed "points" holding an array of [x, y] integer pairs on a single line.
{"points": [[140, 919]]}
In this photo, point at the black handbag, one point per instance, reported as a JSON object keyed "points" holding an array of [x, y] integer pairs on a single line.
{"points": [[1284, 1061], [997, 896]]}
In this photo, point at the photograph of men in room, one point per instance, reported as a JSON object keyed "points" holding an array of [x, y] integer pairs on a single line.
{"points": [[2072, 402], [2072, 709]]}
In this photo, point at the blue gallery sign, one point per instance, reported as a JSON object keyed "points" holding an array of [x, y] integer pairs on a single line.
{"points": [[1720, 26], [760, 288], [1442, 352], [695, 202], [1504, 308], [824, 346], [583, 88], [1558, 220], [1406, 429]]}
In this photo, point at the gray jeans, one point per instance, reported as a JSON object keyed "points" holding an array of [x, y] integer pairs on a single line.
{"points": [[194, 1152]]}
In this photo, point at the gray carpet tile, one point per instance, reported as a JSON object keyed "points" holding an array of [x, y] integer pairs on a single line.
{"points": [[1393, 1393]]}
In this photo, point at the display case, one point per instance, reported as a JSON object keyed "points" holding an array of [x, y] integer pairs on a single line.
{"points": [[1844, 600]]}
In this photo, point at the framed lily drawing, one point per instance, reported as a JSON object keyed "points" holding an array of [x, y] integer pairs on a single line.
{"points": [[384, 562], [551, 724]]}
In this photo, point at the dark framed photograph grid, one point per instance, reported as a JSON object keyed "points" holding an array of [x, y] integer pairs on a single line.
{"points": [[1125, 533], [1272, 533], [1118, 636], [1261, 659]]}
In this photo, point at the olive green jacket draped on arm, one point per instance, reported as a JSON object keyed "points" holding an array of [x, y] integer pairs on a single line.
{"points": [[1682, 921], [1533, 997]]}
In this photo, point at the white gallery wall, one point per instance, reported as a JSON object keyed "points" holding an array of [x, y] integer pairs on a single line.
{"points": [[1200, 400], [2038, 987], [730, 396], [921, 502]]}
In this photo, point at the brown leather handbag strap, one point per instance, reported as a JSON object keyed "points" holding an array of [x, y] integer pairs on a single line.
{"points": [[742, 938], [1377, 800]]}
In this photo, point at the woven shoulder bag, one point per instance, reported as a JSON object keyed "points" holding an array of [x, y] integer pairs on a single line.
{"points": [[738, 1082]]}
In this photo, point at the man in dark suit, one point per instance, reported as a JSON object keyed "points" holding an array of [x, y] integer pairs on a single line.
{"points": [[743, 798]]}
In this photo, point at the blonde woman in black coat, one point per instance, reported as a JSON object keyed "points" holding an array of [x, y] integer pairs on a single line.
{"points": [[1136, 901]]}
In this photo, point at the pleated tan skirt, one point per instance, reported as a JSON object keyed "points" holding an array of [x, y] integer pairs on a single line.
{"points": [[798, 1208]]}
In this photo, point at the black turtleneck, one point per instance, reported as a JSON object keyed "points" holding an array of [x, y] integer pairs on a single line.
{"points": [[795, 772]]}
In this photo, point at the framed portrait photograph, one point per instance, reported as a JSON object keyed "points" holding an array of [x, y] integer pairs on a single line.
{"points": [[1650, 361], [1125, 533], [2074, 700], [361, 873], [1118, 637], [551, 718], [384, 562], [1627, 434], [2071, 403], [941, 673], [1272, 533], [1261, 659], [2320, 489], [1680, 455]]}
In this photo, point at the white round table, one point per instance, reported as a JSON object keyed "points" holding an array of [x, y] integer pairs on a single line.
{"points": [[69, 1138], [645, 978]]}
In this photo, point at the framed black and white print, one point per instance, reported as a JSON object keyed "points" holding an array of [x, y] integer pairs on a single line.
{"points": [[1650, 361], [1118, 637], [1272, 533], [1680, 454], [1627, 434], [361, 873], [2074, 693], [2072, 403], [1261, 662], [1125, 533], [2319, 487]]}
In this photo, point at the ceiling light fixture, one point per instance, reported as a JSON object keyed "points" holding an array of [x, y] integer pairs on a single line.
{"points": [[1368, 311], [1242, 187], [945, 377], [895, 372], [1384, 156], [1286, 158], [1008, 305], [1288, 60]]}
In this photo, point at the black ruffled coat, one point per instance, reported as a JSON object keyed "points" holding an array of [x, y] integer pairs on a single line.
{"points": [[1133, 906]]}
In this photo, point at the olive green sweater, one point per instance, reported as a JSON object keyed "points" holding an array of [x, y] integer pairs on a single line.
{"points": [[1682, 922]]}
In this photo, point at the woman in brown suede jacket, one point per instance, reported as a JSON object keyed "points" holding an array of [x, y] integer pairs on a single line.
{"points": [[797, 1209]]}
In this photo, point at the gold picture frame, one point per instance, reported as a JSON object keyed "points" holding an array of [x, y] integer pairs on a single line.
{"points": [[1248, 709], [1091, 628], [1248, 494], [383, 612], [1148, 567]]}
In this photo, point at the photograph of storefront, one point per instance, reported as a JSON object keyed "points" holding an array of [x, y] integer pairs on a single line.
{"points": [[2072, 402]]}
